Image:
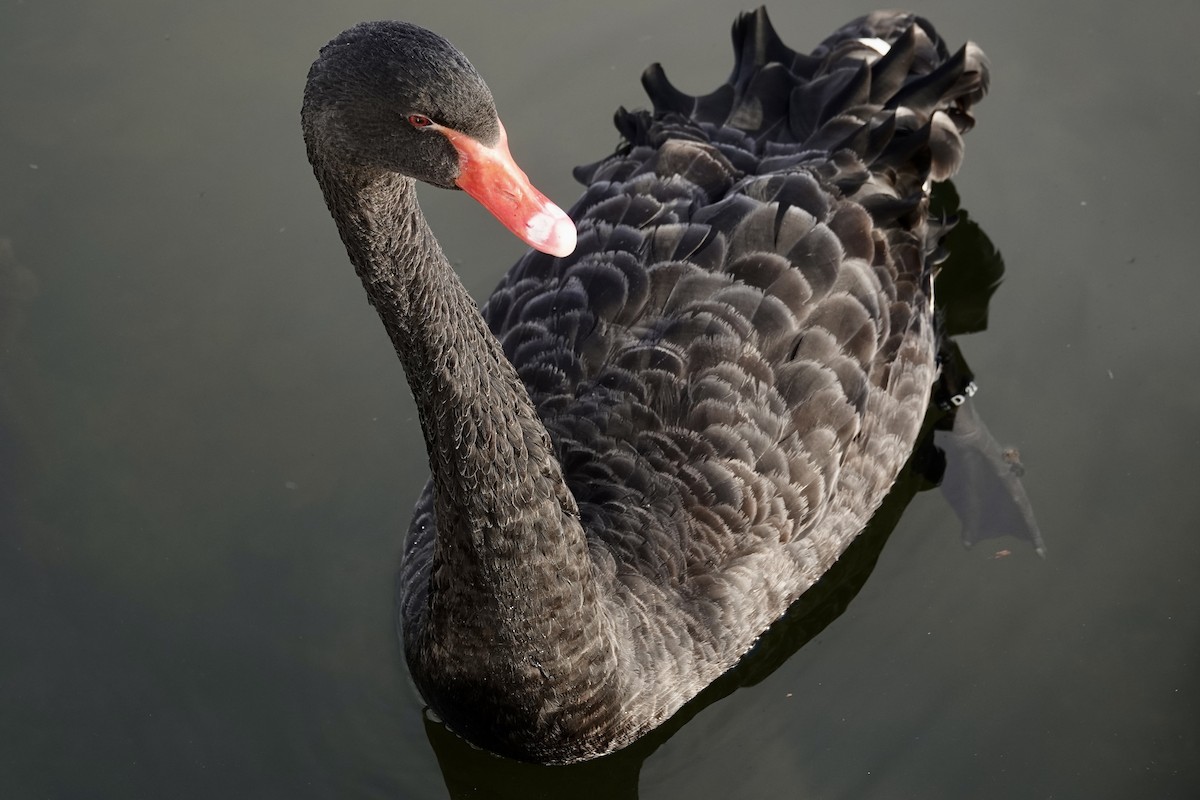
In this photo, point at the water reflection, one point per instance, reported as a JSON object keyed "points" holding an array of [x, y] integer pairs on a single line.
{"points": [[955, 451]]}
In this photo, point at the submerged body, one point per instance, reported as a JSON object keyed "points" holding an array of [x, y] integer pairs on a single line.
{"points": [[643, 451]]}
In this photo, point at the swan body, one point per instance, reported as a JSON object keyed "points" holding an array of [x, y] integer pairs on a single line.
{"points": [[672, 416]]}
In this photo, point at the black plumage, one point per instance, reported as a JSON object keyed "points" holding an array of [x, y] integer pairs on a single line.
{"points": [[642, 453]]}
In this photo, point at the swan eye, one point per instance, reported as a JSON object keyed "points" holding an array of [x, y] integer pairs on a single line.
{"points": [[419, 121]]}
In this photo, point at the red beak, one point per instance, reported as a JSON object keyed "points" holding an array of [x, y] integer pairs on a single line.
{"points": [[490, 175]]}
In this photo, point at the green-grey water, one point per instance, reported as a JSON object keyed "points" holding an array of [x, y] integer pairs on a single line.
{"points": [[208, 454]]}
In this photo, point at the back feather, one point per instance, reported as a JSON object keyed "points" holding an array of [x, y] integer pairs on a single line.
{"points": [[735, 362]]}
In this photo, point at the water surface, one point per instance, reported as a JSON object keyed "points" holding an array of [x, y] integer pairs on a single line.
{"points": [[208, 454]]}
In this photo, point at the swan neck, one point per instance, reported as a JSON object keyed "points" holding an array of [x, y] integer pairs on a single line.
{"points": [[511, 578]]}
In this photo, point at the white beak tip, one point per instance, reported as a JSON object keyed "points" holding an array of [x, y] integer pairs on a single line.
{"points": [[551, 231]]}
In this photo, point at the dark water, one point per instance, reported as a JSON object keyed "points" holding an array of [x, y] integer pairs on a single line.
{"points": [[208, 455]]}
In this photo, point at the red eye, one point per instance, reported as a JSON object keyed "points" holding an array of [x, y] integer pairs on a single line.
{"points": [[419, 121]]}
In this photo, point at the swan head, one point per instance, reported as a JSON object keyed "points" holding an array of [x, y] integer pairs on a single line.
{"points": [[394, 97]]}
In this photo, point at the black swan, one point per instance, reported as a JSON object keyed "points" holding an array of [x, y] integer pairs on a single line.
{"points": [[645, 447]]}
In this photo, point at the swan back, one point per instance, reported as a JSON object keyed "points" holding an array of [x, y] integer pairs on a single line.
{"points": [[733, 365]]}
